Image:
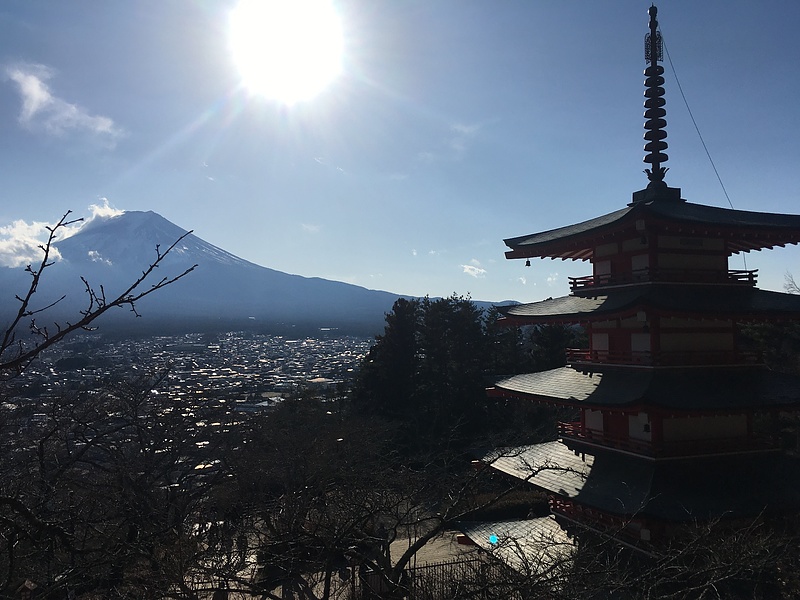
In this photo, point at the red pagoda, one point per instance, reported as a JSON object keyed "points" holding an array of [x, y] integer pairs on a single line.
{"points": [[671, 411]]}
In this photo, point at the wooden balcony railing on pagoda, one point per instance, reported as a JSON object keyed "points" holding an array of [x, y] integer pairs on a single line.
{"points": [[587, 515], [634, 530], [580, 356], [733, 276], [667, 449]]}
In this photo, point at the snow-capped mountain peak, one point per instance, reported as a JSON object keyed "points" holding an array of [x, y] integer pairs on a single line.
{"points": [[131, 238]]}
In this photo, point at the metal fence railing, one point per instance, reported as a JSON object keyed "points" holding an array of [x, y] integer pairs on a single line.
{"points": [[477, 578]]}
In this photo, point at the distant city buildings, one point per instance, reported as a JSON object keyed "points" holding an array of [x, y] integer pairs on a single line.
{"points": [[239, 367]]}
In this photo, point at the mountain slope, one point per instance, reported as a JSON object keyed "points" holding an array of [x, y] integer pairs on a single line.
{"points": [[223, 291]]}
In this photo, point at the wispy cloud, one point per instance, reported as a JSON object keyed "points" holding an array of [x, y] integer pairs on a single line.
{"points": [[462, 135], [552, 279], [95, 256], [427, 157], [431, 252], [325, 163], [310, 228], [43, 111], [455, 145], [474, 269], [103, 211], [21, 242]]}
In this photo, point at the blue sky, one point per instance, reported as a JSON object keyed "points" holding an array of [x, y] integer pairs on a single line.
{"points": [[453, 124]]}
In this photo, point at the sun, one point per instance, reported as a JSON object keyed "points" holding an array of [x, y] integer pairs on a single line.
{"points": [[286, 50]]}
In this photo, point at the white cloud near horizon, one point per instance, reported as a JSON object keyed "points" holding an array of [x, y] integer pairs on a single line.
{"points": [[43, 111], [310, 228], [474, 269], [20, 242]]}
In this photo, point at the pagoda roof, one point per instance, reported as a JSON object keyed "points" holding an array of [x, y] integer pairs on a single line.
{"points": [[677, 490], [743, 230], [669, 299], [683, 390]]}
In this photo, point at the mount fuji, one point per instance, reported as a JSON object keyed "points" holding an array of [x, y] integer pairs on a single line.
{"points": [[224, 291]]}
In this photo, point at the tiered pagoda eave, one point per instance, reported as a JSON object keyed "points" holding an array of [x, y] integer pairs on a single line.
{"points": [[742, 230]]}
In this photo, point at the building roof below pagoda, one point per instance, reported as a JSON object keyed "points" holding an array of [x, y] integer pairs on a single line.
{"points": [[743, 230], [677, 389], [527, 545], [718, 302], [625, 485]]}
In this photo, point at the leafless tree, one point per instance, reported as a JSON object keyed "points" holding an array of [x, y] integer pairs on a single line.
{"points": [[107, 493], [51, 514], [789, 284]]}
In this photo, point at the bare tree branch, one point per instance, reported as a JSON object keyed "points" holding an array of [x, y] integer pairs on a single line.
{"points": [[789, 284], [98, 304]]}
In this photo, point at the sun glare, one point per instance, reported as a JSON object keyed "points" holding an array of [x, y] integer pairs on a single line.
{"points": [[286, 50]]}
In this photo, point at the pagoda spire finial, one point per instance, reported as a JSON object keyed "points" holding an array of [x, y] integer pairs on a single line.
{"points": [[655, 121], [654, 104]]}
